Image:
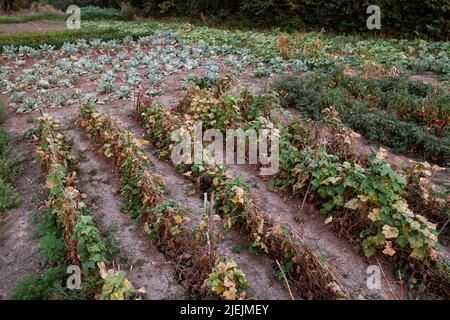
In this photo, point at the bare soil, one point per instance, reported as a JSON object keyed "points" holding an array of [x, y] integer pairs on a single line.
{"points": [[30, 26]]}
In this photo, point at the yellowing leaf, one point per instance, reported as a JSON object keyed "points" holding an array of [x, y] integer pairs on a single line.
{"points": [[374, 215], [363, 197], [418, 253], [228, 283], [49, 184], [102, 269], [390, 232], [141, 142], [178, 219], [261, 226], [333, 180], [328, 220], [402, 207], [382, 154]]}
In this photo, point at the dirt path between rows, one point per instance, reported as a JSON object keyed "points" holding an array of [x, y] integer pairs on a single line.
{"points": [[18, 247]]}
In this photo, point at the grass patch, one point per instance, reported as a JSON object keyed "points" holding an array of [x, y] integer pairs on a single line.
{"points": [[51, 283], [10, 169], [10, 161], [58, 37], [3, 112], [52, 247], [48, 285], [35, 16], [90, 13], [126, 11], [9, 198]]}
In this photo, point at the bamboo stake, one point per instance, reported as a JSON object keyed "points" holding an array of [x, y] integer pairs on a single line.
{"points": [[211, 227], [387, 282], [285, 280]]}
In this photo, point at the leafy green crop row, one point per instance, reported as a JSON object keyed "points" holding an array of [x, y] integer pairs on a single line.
{"points": [[307, 50], [409, 116]]}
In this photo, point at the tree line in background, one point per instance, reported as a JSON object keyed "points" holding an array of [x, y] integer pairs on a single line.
{"points": [[398, 17]]}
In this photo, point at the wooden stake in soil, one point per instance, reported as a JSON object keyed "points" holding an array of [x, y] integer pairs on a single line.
{"points": [[285, 280], [211, 228], [391, 294], [304, 198]]}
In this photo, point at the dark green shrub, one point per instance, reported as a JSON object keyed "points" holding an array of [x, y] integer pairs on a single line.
{"points": [[63, 4], [409, 18], [97, 13], [408, 116], [10, 6], [127, 11]]}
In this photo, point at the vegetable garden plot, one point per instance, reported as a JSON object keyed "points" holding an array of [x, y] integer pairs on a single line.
{"points": [[425, 257], [198, 265], [116, 67], [399, 221], [235, 207], [264, 279]]}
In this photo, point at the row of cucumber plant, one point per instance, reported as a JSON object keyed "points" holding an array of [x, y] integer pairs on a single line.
{"points": [[422, 194], [198, 265], [364, 200], [84, 246], [311, 276]]}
